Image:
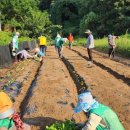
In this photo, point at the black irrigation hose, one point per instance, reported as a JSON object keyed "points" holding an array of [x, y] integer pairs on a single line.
{"points": [[79, 81]]}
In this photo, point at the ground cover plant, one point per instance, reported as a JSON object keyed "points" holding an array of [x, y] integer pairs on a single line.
{"points": [[66, 125]]}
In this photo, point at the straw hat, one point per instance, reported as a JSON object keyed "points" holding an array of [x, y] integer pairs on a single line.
{"points": [[88, 31], [6, 106], [17, 33]]}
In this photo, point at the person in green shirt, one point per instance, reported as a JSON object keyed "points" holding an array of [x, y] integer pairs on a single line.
{"points": [[59, 44], [15, 45], [101, 117]]}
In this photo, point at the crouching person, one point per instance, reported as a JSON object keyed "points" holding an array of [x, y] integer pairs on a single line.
{"points": [[39, 54], [101, 117], [9, 119]]}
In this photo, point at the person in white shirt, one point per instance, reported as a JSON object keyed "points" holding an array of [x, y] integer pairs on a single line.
{"points": [[90, 45]]}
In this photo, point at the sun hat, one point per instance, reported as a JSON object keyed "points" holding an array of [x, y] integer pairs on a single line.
{"points": [[85, 102], [88, 31], [6, 106], [17, 33]]}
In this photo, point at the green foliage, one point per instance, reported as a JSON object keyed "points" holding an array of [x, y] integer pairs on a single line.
{"points": [[25, 16], [65, 13], [88, 22], [67, 125], [5, 38], [100, 16]]}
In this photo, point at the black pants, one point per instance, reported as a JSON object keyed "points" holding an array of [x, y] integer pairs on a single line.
{"points": [[43, 48], [111, 51], [58, 49], [70, 45], [90, 54]]}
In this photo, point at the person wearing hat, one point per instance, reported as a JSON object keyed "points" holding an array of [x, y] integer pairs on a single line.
{"points": [[101, 117], [9, 119], [59, 44], [111, 45], [90, 45], [15, 45]]}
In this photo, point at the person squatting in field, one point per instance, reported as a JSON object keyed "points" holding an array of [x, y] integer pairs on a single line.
{"points": [[90, 45], [21, 55], [39, 54], [9, 119], [111, 45], [100, 117], [59, 44]]}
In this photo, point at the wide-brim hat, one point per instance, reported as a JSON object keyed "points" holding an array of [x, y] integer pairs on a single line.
{"points": [[17, 33], [85, 102], [88, 31]]}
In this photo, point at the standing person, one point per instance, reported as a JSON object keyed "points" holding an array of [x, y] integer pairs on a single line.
{"points": [[100, 117], [15, 45], [111, 45], [71, 39], [9, 119], [59, 44], [43, 44], [90, 45]]}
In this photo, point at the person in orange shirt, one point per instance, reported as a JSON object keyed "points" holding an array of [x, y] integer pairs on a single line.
{"points": [[9, 119], [71, 39]]}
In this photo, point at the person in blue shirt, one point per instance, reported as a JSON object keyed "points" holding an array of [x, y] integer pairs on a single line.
{"points": [[39, 54]]}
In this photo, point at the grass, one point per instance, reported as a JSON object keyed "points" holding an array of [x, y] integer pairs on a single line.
{"points": [[122, 49], [123, 45]]}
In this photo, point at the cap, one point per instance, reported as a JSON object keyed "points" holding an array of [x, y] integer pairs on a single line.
{"points": [[85, 102]]}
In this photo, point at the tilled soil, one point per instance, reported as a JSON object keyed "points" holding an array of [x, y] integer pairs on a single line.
{"points": [[108, 80], [53, 96]]}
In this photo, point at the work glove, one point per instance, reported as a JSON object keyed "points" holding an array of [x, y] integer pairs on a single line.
{"points": [[85, 128]]}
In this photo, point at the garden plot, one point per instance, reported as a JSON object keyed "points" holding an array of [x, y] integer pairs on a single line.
{"points": [[108, 88], [53, 96]]}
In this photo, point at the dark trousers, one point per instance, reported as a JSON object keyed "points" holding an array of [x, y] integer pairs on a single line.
{"points": [[90, 54], [70, 45], [43, 48], [111, 51], [58, 49]]}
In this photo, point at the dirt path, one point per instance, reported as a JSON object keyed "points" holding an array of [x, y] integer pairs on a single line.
{"points": [[109, 81], [53, 95]]}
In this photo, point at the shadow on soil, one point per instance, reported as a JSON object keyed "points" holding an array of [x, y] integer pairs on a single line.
{"points": [[24, 103], [41, 122], [114, 73]]}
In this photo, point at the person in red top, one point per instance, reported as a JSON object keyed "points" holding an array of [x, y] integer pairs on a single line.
{"points": [[71, 39]]}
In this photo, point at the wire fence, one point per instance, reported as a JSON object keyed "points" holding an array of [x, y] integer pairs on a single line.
{"points": [[5, 52]]}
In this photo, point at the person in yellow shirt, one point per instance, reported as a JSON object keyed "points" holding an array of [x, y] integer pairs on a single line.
{"points": [[43, 44]]}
